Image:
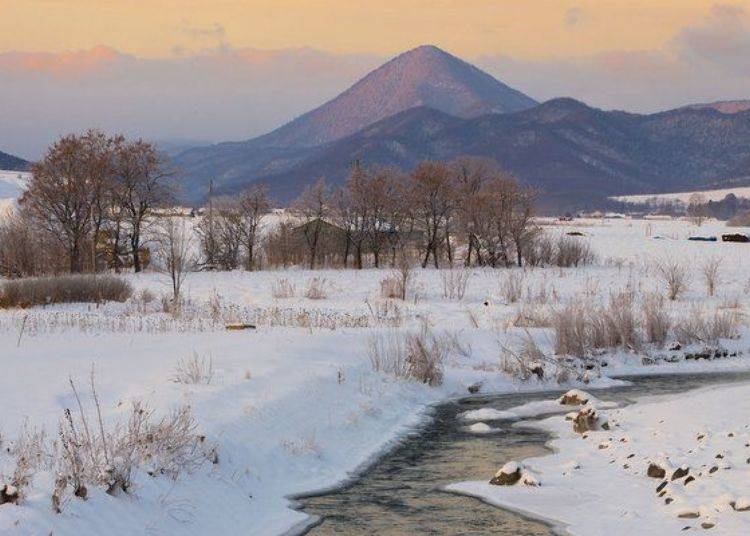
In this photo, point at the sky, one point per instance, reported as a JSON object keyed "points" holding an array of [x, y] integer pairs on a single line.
{"points": [[217, 70]]}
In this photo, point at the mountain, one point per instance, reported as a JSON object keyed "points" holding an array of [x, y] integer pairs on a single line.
{"points": [[427, 104], [574, 153], [424, 76], [12, 163]]}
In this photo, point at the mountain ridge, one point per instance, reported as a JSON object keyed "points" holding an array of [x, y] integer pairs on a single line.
{"points": [[569, 150], [9, 162]]}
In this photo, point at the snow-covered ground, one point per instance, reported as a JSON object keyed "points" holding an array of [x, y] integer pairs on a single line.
{"points": [[11, 186], [684, 197], [598, 482], [295, 405]]}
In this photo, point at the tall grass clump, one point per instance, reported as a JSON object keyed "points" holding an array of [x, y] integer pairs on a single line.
{"points": [[282, 288], [675, 278], [317, 289], [455, 281], [34, 291], [415, 356], [656, 319], [707, 329]]}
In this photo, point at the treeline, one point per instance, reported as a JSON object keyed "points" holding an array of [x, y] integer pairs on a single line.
{"points": [[463, 212], [99, 203]]}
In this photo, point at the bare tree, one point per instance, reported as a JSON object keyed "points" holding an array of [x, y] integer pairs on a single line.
{"points": [[64, 193], [141, 183], [175, 252], [521, 229], [253, 206], [470, 176], [312, 206], [433, 200], [696, 209]]}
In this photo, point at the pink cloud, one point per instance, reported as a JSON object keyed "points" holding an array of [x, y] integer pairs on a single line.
{"points": [[69, 64]]}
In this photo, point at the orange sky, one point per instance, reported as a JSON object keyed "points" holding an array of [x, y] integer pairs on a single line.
{"points": [[524, 29]]}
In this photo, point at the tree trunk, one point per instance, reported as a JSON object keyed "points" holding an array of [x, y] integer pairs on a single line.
{"points": [[135, 246]]}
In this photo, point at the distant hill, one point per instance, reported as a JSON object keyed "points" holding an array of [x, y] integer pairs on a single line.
{"points": [[574, 153], [13, 163]]}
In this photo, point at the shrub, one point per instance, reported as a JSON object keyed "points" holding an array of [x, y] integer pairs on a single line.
{"points": [[563, 251], [64, 289], [571, 251]]}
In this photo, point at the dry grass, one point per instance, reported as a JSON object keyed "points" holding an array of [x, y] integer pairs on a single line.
{"points": [[283, 289], [317, 289], [194, 370], [89, 453], [532, 316], [707, 329], [656, 319], [34, 291], [675, 277], [455, 281], [710, 270], [580, 328], [511, 286], [416, 356]]}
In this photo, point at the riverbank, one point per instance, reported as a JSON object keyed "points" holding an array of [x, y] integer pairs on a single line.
{"points": [[598, 482]]}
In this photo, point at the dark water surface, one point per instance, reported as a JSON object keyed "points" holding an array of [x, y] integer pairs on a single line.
{"points": [[400, 494]]}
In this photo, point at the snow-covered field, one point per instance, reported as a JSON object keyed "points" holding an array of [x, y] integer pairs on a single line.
{"points": [[684, 197], [11, 186], [295, 405]]}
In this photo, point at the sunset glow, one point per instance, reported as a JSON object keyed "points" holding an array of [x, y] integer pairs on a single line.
{"points": [[519, 28]]}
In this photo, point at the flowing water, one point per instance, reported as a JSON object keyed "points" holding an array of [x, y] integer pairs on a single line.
{"points": [[401, 493]]}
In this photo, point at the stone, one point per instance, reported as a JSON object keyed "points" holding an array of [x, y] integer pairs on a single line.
{"points": [[574, 397], [508, 475], [680, 472], [9, 494], [654, 471], [587, 420]]}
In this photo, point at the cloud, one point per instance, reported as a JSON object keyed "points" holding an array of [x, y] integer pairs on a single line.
{"points": [[72, 64], [721, 41], [705, 61]]}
